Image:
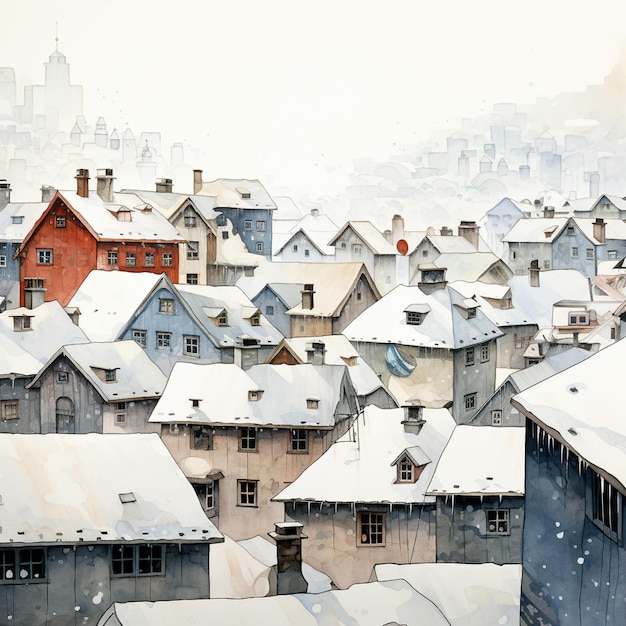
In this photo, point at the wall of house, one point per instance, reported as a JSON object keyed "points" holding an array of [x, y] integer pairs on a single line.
{"points": [[499, 220], [511, 346], [572, 572], [310, 326], [563, 258], [200, 233], [462, 535], [361, 298], [500, 401], [519, 255], [252, 236], [28, 406], [136, 414], [385, 272], [425, 252], [303, 245], [333, 542], [347, 250], [80, 585], [278, 319]]}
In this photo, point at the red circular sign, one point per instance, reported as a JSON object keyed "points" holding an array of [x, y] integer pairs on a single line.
{"points": [[402, 246]]}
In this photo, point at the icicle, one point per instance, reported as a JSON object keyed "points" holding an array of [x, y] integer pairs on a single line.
{"points": [[481, 499], [335, 508], [321, 504], [500, 498], [308, 508], [410, 509], [390, 507]]}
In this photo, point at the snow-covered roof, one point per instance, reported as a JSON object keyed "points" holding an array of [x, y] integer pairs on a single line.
{"points": [[359, 466], [233, 251], [287, 208], [238, 193], [66, 489], [443, 327], [39, 340], [168, 204], [455, 244], [290, 294], [281, 395], [579, 404], [522, 207], [107, 300], [536, 230], [468, 266], [370, 235], [481, 460], [368, 604], [136, 376], [14, 360], [17, 218], [318, 239], [467, 594]]}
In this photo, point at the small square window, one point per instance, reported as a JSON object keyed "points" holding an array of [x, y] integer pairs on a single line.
{"points": [[63, 378], [589, 254], [496, 417], [166, 305], [307, 252], [120, 418], [224, 234], [131, 259], [247, 439], [247, 492], [312, 403], [202, 438], [9, 409], [110, 376], [497, 521], [255, 320], [139, 336], [247, 225], [222, 319], [192, 279], [299, 440], [470, 401], [260, 226], [191, 345], [60, 221], [546, 264], [192, 249], [22, 322], [469, 356], [371, 529], [163, 340], [357, 248], [112, 257], [471, 313], [44, 256], [269, 310], [149, 259], [167, 259], [612, 255]]}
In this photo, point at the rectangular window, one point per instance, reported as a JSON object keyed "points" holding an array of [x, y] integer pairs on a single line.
{"points": [[606, 504], [112, 257], [163, 340], [22, 322], [131, 259], [191, 345], [413, 318], [371, 529], [222, 319], [190, 218], [192, 279], [247, 492], [166, 305], [546, 265], [570, 231], [470, 401], [63, 378], [269, 310], [497, 521], [307, 252], [578, 319], [259, 246], [247, 224], [357, 248], [192, 249], [167, 259], [120, 418], [144, 559], [496, 418], [149, 259], [206, 493], [589, 254], [471, 313], [110, 376], [31, 563], [469, 356], [260, 226], [312, 403], [405, 471], [247, 439], [574, 252], [299, 440], [3, 260], [139, 336], [201, 439], [44, 256], [484, 353], [9, 409], [612, 255], [255, 320], [60, 221], [294, 248]]}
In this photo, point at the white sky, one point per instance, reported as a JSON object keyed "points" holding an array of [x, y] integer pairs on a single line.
{"points": [[291, 91]]}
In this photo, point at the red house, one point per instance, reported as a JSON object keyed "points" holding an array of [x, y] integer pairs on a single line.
{"points": [[83, 231]]}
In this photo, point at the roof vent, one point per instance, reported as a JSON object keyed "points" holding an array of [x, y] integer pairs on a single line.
{"points": [[125, 498]]}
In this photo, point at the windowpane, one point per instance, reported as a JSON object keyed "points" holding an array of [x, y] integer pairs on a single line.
{"points": [[112, 257], [7, 564], [139, 336], [131, 259], [191, 345], [299, 440], [247, 438], [32, 563], [372, 527], [149, 259], [122, 560], [167, 260], [192, 249], [498, 522], [247, 492]]}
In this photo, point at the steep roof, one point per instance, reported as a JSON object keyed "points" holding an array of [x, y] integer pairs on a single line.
{"points": [[239, 193], [370, 235], [15, 360], [66, 488], [471, 266], [536, 230], [17, 218]]}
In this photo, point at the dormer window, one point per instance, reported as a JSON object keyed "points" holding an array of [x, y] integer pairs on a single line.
{"points": [[578, 319], [415, 314], [410, 464], [405, 471], [243, 192], [17, 219], [189, 217], [110, 376], [255, 320], [254, 395], [22, 323], [195, 403], [471, 313], [222, 319], [312, 403], [124, 215]]}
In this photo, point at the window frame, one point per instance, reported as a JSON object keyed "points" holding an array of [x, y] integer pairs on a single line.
{"points": [[485, 353], [192, 279], [132, 554], [45, 256], [260, 226], [606, 506], [23, 558], [298, 440], [163, 340], [166, 306], [496, 417], [365, 521], [5, 413], [248, 489], [193, 250], [112, 257], [148, 259], [189, 347], [248, 439], [201, 438], [60, 221], [260, 246], [498, 516], [139, 335], [589, 254], [469, 401], [3, 260], [167, 259], [131, 259], [470, 357]]}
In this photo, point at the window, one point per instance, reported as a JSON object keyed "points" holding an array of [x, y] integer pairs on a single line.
{"points": [[299, 440], [143, 559], [606, 504], [414, 318], [17, 219], [44, 256], [259, 246], [120, 418], [307, 252], [167, 259], [496, 418], [260, 226], [358, 295], [65, 423], [269, 310], [247, 492], [612, 255], [578, 319], [224, 234], [112, 257], [190, 217], [405, 471], [149, 259], [22, 322], [469, 356], [513, 254], [192, 279], [371, 529], [166, 305], [294, 248], [589, 254], [357, 248], [191, 345], [574, 252], [139, 336], [247, 224], [546, 265], [9, 409], [63, 378], [469, 401], [192, 249], [60, 221], [3, 260], [163, 340], [343, 245], [247, 439], [312, 403], [206, 493], [484, 353], [25, 564], [222, 319], [424, 253], [471, 313], [497, 521], [131, 259], [110, 376], [570, 231], [255, 320], [201, 439]]}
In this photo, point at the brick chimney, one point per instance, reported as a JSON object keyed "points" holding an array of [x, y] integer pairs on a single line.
{"points": [[469, 231], [197, 181], [599, 230], [288, 537], [104, 178], [5, 193], [82, 183], [164, 185], [533, 273], [315, 352], [307, 296], [47, 193]]}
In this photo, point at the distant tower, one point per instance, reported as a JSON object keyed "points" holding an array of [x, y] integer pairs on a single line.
{"points": [[114, 140], [76, 135], [101, 135], [129, 145], [146, 167]]}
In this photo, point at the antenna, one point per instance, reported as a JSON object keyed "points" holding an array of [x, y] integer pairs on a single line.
{"points": [[56, 37]]}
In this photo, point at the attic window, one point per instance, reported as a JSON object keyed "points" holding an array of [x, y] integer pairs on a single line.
{"points": [[124, 215], [312, 403], [195, 403], [110, 376], [569, 231], [222, 319], [125, 498], [254, 395], [243, 192], [255, 320], [578, 319], [471, 313], [17, 219], [22, 323], [60, 221], [189, 217], [415, 314]]}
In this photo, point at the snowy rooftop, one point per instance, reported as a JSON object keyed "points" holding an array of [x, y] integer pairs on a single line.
{"points": [[368, 604], [468, 595], [16, 219], [444, 326], [580, 405], [168, 204], [16, 360], [264, 395], [363, 470], [468, 266], [455, 244], [136, 376], [238, 193], [497, 468], [67, 488], [370, 235], [536, 230]]}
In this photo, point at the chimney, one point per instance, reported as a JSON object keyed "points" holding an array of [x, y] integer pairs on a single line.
{"points": [[533, 273], [164, 185], [104, 186], [469, 231], [47, 193], [413, 417], [599, 230], [5, 193], [397, 228], [524, 172], [432, 278], [82, 183], [315, 352], [246, 352], [34, 292], [197, 181], [445, 231], [307, 296], [548, 212], [288, 537]]}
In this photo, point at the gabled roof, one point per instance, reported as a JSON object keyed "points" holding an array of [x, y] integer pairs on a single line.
{"points": [[66, 488], [170, 204], [615, 229], [471, 266], [521, 207], [579, 407], [17, 219], [137, 377], [536, 230], [233, 192], [485, 460], [283, 402], [369, 235], [290, 294], [316, 238], [358, 467], [454, 244]]}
